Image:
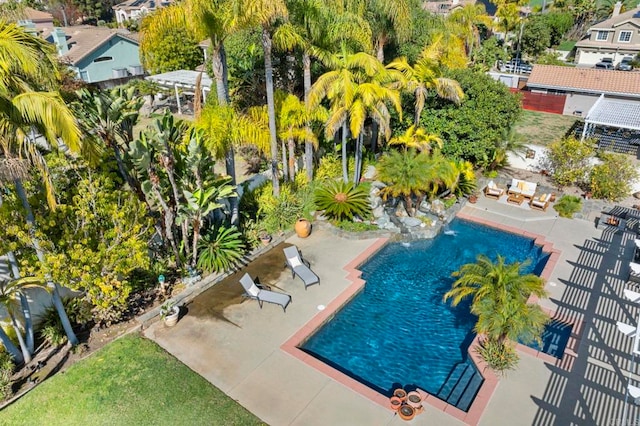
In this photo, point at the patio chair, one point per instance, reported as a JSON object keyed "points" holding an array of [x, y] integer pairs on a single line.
{"points": [[300, 266], [259, 293], [493, 191], [634, 272], [540, 203]]}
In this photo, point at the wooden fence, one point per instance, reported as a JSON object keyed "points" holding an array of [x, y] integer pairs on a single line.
{"points": [[542, 101]]}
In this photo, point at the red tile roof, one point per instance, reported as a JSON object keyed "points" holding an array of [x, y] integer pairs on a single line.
{"points": [[585, 80]]}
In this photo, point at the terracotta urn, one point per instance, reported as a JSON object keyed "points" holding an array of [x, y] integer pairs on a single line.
{"points": [[395, 403], [302, 228], [400, 393]]}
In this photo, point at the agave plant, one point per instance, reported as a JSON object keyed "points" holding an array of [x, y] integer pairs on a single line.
{"points": [[341, 200], [220, 249]]}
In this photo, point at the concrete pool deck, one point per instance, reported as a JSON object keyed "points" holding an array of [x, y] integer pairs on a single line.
{"points": [[240, 349]]}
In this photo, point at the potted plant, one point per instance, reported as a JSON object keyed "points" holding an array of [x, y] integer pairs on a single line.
{"points": [[169, 312], [265, 238], [473, 198]]}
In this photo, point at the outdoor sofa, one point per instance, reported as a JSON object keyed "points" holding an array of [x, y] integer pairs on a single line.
{"points": [[540, 203], [522, 187]]}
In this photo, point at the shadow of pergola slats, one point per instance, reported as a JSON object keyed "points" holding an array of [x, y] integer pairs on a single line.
{"points": [[589, 388]]}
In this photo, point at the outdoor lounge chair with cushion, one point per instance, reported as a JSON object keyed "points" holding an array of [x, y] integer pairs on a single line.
{"points": [[493, 191], [300, 267], [540, 203], [254, 291], [634, 272]]}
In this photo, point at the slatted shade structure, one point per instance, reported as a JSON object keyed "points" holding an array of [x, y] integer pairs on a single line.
{"points": [[183, 81]]}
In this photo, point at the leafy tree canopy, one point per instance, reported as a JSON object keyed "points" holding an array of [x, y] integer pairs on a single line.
{"points": [[177, 50], [472, 130]]}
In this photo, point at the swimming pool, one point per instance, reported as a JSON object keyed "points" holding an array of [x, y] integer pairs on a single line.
{"points": [[397, 330]]}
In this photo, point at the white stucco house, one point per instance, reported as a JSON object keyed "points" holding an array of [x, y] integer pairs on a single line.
{"points": [[133, 10]]}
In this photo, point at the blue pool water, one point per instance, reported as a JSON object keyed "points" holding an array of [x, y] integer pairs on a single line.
{"points": [[397, 330], [554, 338]]}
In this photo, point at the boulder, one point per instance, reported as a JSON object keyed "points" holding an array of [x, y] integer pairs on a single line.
{"points": [[369, 173], [377, 184], [400, 211], [424, 207], [379, 212], [437, 207], [410, 222]]}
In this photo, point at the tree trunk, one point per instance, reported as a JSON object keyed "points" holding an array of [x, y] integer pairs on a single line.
{"points": [[381, 40], [375, 131], [168, 217], [23, 346], [271, 108], [219, 65], [292, 159], [196, 235], [24, 304], [409, 205], [358, 158], [10, 347], [345, 160], [285, 168], [57, 300], [308, 145]]}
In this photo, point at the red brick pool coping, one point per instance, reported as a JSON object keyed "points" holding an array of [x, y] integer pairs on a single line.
{"points": [[490, 383]]}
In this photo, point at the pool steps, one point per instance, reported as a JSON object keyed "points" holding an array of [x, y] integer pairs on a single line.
{"points": [[461, 386]]}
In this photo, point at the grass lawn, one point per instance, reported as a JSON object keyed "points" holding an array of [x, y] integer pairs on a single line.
{"points": [[132, 381], [542, 128]]}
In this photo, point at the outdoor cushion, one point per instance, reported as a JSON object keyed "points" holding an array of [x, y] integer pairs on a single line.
{"points": [[543, 197]]}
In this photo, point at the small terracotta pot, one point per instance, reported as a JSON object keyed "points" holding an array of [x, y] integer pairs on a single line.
{"points": [[400, 393], [473, 199], [303, 228], [414, 399], [395, 403], [407, 412]]}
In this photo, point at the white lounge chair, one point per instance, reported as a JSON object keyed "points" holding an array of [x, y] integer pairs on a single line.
{"points": [[493, 191], [254, 291], [300, 267], [540, 203]]}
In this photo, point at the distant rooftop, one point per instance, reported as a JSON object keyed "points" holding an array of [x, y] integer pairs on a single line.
{"points": [[589, 80]]}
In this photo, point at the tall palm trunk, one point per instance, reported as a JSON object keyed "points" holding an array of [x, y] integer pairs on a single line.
{"points": [[292, 159], [285, 169], [345, 160], [358, 155], [220, 73], [219, 65], [271, 109], [380, 42], [24, 305], [57, 300], [168, 217], [10, 347], [26, 355], [308, 145]]}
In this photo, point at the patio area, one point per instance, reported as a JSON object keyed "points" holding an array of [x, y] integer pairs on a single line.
{"points": [[238, 347]]}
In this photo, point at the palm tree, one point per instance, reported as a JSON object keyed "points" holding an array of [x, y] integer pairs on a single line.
{"points": [[417, 138], [321, 28], [214, 20], [465, 21], [388, 19], [404, 172], [266, 13], [499, 293], [294, 125], [424, 76], [29, 61], [354, 76]]}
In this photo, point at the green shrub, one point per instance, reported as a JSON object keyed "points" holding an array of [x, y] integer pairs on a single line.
{"points": [[568, 205], [569, 160], [341, 200], [351, 226], [278, 214], [612, 179], [220, 249], [330, 168], [50, 328], [499, 356], [6, 371]]}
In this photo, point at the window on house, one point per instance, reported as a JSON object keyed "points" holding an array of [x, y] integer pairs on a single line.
{"points": [[624, 37], [103, 59], [602, 35]]}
